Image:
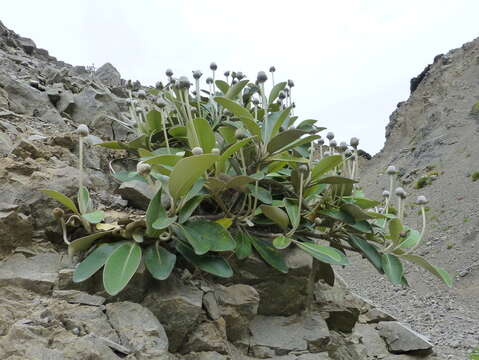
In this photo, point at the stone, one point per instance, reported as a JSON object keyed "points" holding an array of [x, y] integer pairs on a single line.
{"points": [[54, 94], [286, 334], [400, 339], [38, 273], [238, 306], [177, 306], [27, 45], [78, 297], [138, 329], [138, 193], [208, 336], [211, 305], [369, 337], [16, 228], [26, 149], [108, 75], [66, 103], [207, 355]]}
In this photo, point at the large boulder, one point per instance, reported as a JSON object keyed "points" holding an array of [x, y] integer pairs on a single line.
{"points": [[108, 75]]}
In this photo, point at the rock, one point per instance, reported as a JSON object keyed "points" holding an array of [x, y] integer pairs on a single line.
{"points": [[211, 305], [208, 336], [369, 337], [78, 297], [26, 149], [108, 75], [208, 355], [138, 193], [27, 45], [177, 306], [38, 273], [66, 103], [238, 305], [400, 339], [54, 94], [138, 329], [286, 334], [16, 228]]}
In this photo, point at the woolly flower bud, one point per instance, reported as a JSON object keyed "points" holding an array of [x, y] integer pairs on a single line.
{"points": [[282, 95], [169, 72], [343, 146], [141, 94], [421, 200], [197, 150], [348, 153], [272, 69], [215, 151], [261, 77], [240, 75], [333, 143], [197, 74], [143, 169], [330, 135], [290, 83], [159, 85], [227, 73], [209, 80], [255, 101], [321, 142], [213, 66], [391, 170], [318, 221], [184, 82], [161, 102], [233, 74], [386, 194], [400, 192], [82, 130], [58, 213], [234, 82], [303, 169], [354, 142], [240, 134]]}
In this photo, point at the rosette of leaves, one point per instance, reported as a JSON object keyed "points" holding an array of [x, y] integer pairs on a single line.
{"points": [[255, 185]]}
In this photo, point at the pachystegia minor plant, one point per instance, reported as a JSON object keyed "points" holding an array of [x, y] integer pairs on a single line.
{"points": [[235, 172]]}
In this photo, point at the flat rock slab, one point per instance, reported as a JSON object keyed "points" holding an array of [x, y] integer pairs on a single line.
{"points": [[286, 334], [401, 339], [78, 297]]}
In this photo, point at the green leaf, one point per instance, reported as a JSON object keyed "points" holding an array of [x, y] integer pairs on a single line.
{"points": [[284, 138], [94, 261], [323, 253], [275, 120], [276, 214], [435, 270], [115, 145], [178, 131], [369, 250], [120, 267], [395, 229], [292, 210], [228, 133], [243, 245], [262, 194], [189, 207], [187, 171], [159, 261], [154, 120], [94, 217], [338, 215], [393, 268], [212, 264], [281, 242], [64, 200], [84, 201], [356, 212], [299, 142], [154, 211], [275, 91], [336, 180], [85, 242], [270, 255], [251, 125], [230, 151], [412, 239], [222, 85], [206, 138], [234, 107], [235, 89], [211, 233], [325, 165], [163, 222]]}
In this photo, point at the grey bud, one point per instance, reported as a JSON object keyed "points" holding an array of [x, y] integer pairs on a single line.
{"points": [[386, 194], [333, 143], [240, 76], [272, 69], [282, 95], [209, 80], [213, 66], [161, 102], [303, 169], [421, 200], [143, 169], [169, 72], [343, 146], [321, 142], [240, 134], [82, 130], [215, 151], [141, 94], [197, 74], [255, 101], [400, 192], [354, 142], [330, 135], [391, 170], [227, 73], [262, 77], [184, 82], [159, 85], [290, 83], [197, 150], [348, 153]]}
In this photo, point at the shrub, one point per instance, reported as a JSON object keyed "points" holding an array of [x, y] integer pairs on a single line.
{"points": [[475, 176], [235, 172], [422, 182]]}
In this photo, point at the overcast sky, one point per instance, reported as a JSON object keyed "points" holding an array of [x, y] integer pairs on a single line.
{"points": [[351, 60]]}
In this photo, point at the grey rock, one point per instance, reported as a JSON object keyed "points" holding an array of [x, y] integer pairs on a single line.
{"points": [[27, 45], [211, 305], [208, 355], [66, 103], [208, 336], [16, 228], [138, 193], [26, 149], [286, 334], [54, 95], [401, 339], [108, 75], [369, 337], [138, 329], [177, 306], [78, 297]]}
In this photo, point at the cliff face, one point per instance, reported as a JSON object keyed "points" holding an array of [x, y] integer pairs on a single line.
{"points": [[433, 140]]}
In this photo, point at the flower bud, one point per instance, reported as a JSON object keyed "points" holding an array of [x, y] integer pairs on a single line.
{"points": [[321, 142], [161, 102], [333, 143], [240, 76], [233, 74], [234, 82], [318, 221], [215, 151], [386, 194], [82, 130], [348, 153], [255, 101], [282, 95], [197, 74], [272, 69], [303, 169], [184, 82], [400, 193], [143, 169], [354, 142], [209, 80], [261, 78], [343, 146], [159, 85], [213, 66], [58, 213], [290, 83], [421, 200], [227, 73], [197, 150], [240, 134], [330, 135], [391, 170], [141, 94], [169, 72], [226, 112]]}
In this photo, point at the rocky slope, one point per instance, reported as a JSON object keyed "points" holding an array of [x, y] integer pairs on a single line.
{"points": [[44, 315], [433, 140]]}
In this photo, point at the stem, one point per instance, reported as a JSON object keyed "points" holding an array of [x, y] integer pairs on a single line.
{"points": [[423, 212], [400, 208], [243, 162], [80, 162], [198, 97], [165, 134]]}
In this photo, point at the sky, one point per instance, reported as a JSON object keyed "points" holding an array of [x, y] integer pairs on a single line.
{"points": [[351, 60]]}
